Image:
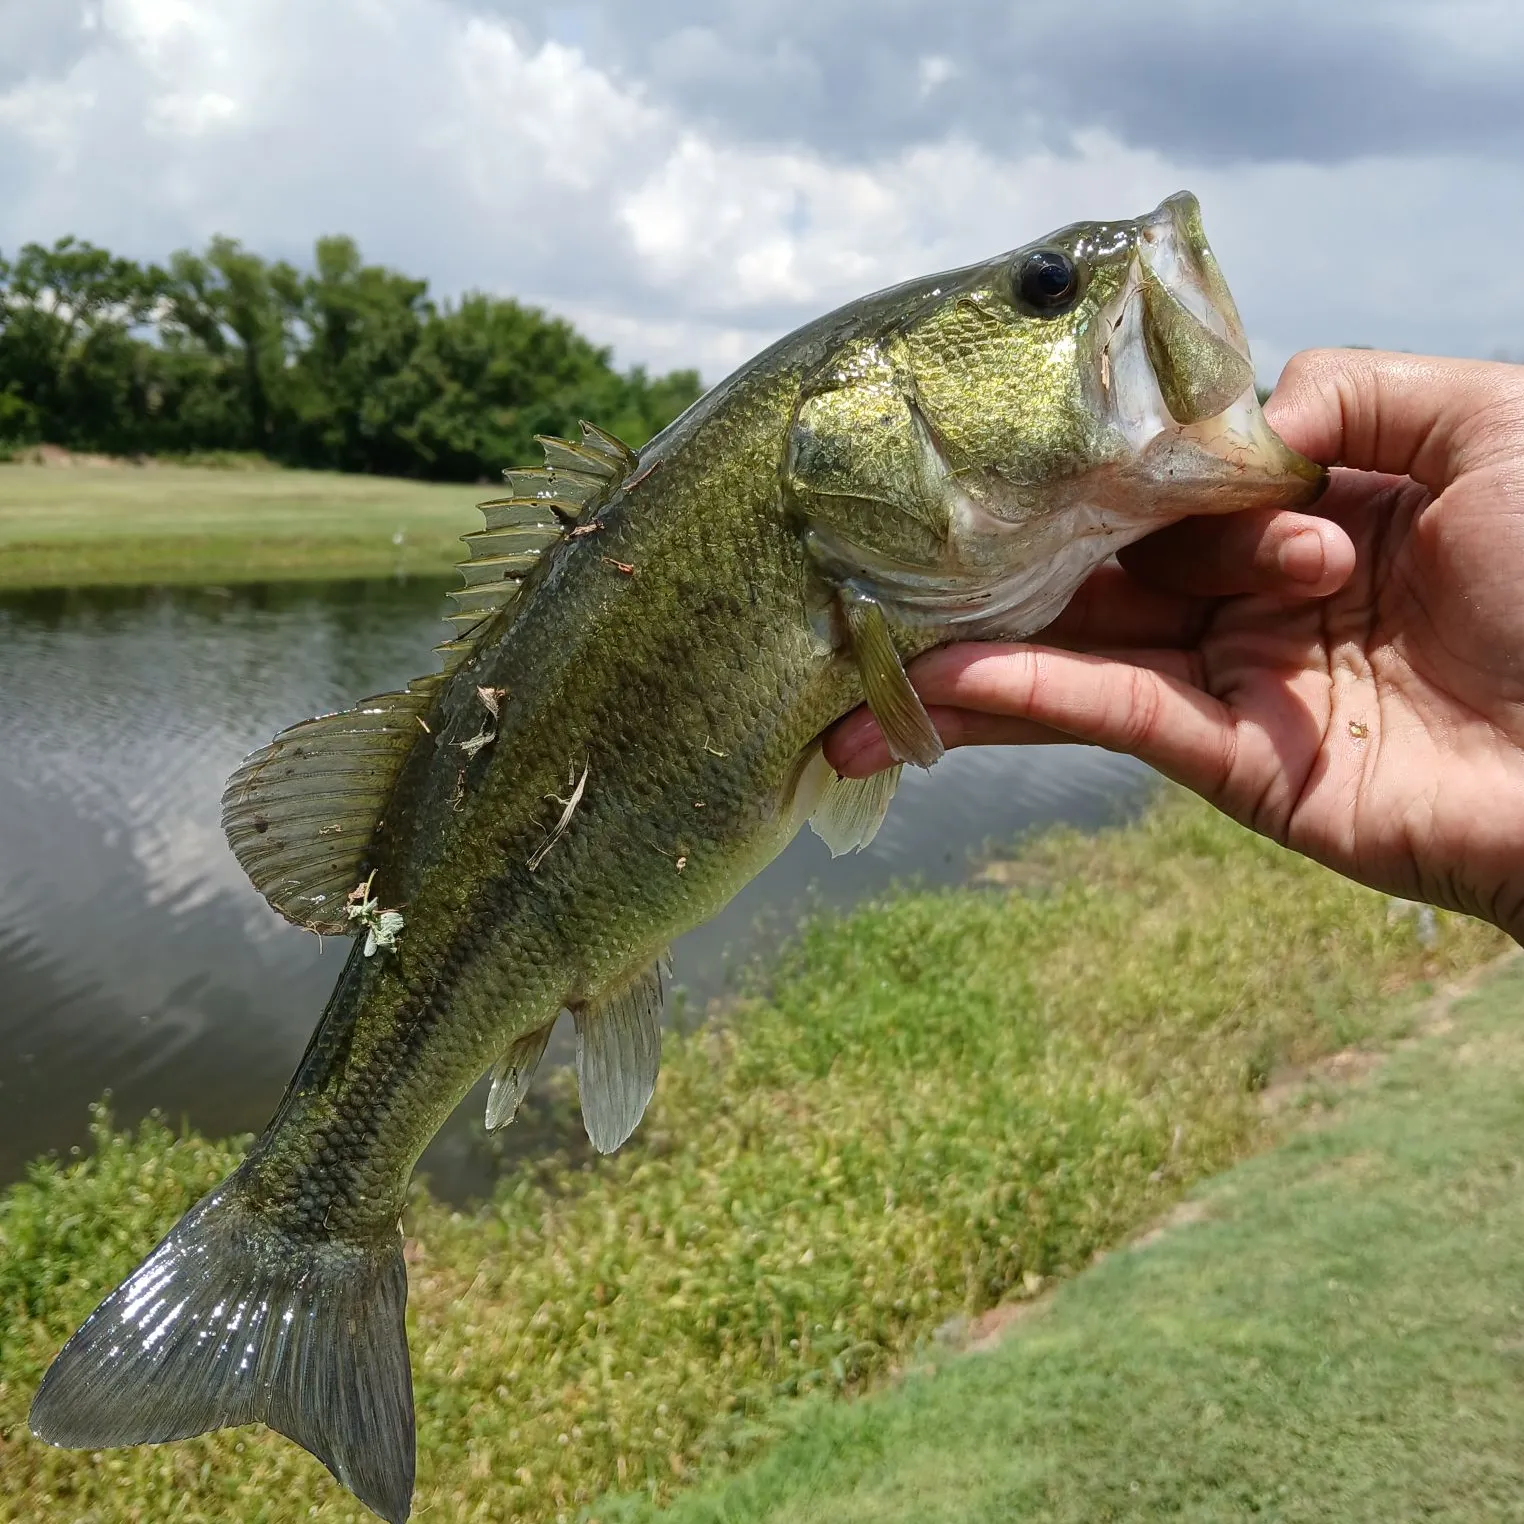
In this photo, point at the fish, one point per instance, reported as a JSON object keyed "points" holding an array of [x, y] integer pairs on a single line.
{"points": [[625, 728]]}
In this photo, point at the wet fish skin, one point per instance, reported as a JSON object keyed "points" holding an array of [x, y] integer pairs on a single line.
{"points": [[938, 459]]}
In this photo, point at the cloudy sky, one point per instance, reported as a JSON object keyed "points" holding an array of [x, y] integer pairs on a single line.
{"points": [[688, 180]]}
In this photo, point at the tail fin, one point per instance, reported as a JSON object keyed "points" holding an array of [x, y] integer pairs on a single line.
{"points": [[230, 1321]]}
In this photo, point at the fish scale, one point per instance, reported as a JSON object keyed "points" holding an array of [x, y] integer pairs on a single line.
{"points": [[640, 635]]}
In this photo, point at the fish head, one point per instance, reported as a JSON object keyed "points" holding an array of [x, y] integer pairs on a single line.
{"points": [[973, 457]]}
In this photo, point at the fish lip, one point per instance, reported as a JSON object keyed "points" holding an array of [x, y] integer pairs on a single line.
{"points": [[1171, 244], [1242, 464], [1231, 459]]}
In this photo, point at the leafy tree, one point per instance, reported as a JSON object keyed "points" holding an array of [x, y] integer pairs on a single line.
{"points": [[68, 356], [359, 327], [226, 331], [490, 374], [347, 366]]}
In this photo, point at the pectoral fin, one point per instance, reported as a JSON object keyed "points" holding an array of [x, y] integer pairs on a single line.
{"points": [[895, 704], [618, 1055]]}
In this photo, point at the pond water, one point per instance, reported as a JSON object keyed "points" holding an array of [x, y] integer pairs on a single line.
{"points": [[134, 955]]}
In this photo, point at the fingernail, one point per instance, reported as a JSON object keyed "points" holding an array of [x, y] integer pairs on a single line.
{"points": [[848, 764], [1301, 557]]}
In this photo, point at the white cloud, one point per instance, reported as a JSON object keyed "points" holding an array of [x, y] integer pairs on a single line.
{"points": [[546, 112], [933, 71], [456, 145]]}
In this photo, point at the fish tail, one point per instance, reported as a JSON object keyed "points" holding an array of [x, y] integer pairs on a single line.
{"points": [[231, 1321]]}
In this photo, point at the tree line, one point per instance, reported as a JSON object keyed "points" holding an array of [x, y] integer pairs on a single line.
{"points": [[345, 366]]}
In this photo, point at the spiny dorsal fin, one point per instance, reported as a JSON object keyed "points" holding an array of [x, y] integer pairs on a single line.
{"points": [[605, 444], [575, 481], [300, 814]]}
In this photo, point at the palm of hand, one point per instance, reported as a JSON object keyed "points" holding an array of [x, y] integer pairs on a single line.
{"points": [[1381, 729]]}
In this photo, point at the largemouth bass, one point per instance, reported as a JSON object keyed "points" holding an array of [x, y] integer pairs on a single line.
{"points": [[627, 729]]}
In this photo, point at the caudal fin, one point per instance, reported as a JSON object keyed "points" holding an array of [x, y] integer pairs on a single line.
{"points": [[230, 1321]]}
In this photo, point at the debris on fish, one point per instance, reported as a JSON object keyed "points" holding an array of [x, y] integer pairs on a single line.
{"points": [[380, 926], [947, 459]]}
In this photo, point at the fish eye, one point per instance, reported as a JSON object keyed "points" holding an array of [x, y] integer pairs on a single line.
{"points": [[1047, 282]]}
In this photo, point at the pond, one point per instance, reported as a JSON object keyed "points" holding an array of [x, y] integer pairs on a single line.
{"points": [[134, 955]]}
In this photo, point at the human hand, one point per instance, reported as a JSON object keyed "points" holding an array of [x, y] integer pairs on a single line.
{"points": [[1350, 684]]}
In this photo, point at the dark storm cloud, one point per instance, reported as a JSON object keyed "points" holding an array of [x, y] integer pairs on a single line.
{"points": [[1203, 82]]}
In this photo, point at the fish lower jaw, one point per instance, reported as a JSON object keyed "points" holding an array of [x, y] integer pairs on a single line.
{"points": [[1218, 464], [1223, 464]]}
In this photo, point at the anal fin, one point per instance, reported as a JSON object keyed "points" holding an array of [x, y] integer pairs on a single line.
{"points": [[511, 1076], [895, 704], [618, 1056], [852, 809]]}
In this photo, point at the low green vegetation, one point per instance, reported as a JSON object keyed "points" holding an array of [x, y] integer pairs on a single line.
{"points": [[122, 524], [941, 1101], [1334, 1330]]}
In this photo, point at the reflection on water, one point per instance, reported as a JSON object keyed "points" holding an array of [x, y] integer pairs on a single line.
{"points": [[133, 953]]}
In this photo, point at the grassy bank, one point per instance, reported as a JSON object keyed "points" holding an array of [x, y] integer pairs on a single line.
{"points": [[942, 1101], [1332, 1331], [110, 525]]}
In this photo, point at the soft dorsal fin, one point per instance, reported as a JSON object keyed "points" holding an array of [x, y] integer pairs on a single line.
{"points": [[301, 813]]}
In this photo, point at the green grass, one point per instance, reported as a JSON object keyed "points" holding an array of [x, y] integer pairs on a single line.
{"points": [[1335, 1331], [120, 524], [942, 1101]]}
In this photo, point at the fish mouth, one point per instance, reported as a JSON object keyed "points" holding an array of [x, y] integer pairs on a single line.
{"points": [[1177, 374]]}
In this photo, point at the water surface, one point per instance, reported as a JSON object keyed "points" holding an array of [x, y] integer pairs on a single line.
{"points": [[134, 955]]}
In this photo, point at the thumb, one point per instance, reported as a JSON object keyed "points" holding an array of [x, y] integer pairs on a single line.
{"points": [[1405, 415]]}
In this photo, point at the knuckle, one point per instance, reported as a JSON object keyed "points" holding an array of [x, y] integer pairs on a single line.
{"points": [[1138, 719], [1315, 368], [1037, 685]]}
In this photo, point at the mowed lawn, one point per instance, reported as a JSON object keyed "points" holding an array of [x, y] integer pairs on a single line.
{"points": [[85, 526], [1332, 1331]]}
